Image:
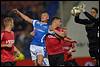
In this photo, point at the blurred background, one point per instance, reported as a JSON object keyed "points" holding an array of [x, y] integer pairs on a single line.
{"points": [[33, 9]]}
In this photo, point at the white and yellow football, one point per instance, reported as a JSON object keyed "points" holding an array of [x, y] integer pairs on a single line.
{"points": [[75, 11]]}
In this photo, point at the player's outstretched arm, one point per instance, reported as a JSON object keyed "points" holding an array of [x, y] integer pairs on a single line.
{"points": [[23, 16]]}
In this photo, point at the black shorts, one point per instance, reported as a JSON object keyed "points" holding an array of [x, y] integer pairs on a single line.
{"points": [[71, 63], [8, 64], [56, 60], [94, 50]]}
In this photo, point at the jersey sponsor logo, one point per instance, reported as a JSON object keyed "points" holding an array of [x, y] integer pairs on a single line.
{"points": [[50, 36], [9, 41]]}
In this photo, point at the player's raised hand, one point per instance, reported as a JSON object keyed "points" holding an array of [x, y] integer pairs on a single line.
{"points": [[15, 11], [82, 7], [23, 16]]}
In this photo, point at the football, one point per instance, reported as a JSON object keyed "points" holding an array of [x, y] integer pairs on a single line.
{"points": [[75, 11], [78, 9]]}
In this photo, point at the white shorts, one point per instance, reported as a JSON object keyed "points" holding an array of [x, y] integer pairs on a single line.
{"points": [[38, 50]]}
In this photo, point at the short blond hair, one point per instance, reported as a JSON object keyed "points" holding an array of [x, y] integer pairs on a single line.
{"points": [[8, 21]]}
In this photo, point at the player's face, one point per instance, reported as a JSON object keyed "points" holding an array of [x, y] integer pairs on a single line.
{"points": [[12, 24], [58, 22], [93, 13], [9, 24], [44, 17]]}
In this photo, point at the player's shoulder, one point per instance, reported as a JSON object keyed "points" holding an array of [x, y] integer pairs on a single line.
{"points": [[51, 36], [35, 21], [3, 32], [6, 32], [12, 32]]}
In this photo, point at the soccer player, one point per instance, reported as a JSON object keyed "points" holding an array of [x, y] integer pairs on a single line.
{"points": [[68, 45], [54, 45], [40, 30], [92, 29], [7, 44]]}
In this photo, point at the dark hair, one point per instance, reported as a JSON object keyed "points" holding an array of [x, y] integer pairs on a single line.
{"points": [[44, 12], [54, 18], [95, 9]]}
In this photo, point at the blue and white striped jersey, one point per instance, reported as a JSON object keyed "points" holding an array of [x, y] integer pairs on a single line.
{"points": [[40, 30]]}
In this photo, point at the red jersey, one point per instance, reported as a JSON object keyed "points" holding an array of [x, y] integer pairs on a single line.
{"points": [[67, 46], [7, 54], [53, 45]]}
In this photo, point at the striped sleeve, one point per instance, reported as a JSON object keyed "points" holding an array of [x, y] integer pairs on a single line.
{"points": [[34, 22]]}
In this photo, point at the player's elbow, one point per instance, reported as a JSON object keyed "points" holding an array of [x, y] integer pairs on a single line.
{"points": [[76, 20]]}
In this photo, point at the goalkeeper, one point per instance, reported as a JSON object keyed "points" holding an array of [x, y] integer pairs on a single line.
{"points": [[92, 29]]}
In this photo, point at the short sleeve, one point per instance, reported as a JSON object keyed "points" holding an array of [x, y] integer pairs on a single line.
{"points": [[34, 22], [2, 34]]}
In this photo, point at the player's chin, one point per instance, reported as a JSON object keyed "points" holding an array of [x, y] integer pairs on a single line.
{"points": [[44, 20]]}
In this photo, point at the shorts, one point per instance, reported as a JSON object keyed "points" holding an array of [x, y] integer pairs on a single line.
{"points": [[56, 60], [38, 50], [35, 51], [8, 63]]}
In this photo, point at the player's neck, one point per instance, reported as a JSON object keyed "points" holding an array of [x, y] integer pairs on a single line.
{"points": [[53, 27], [8, 29], [44, 21]]}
